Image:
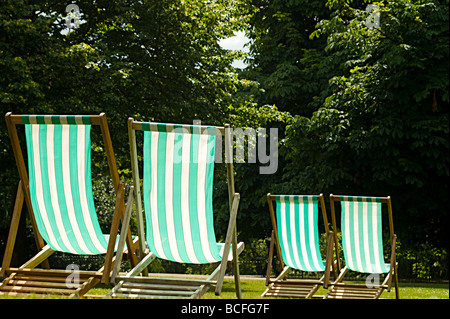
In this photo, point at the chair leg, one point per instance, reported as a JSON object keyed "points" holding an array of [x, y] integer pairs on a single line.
{"points": [[397, 293], [237, 276], [17, 212], [123, 234], [113, 233], [228, 240], [270, 260]]}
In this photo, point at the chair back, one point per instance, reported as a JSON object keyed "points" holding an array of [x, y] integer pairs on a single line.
{"points": [[59, 166], [297, 228], [178, 172], [361, 227]]}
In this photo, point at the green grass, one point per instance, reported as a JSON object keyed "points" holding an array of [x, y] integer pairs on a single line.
{"points": [[253, 288]]}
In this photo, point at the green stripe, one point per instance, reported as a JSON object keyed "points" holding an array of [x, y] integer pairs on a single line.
{"points": [[161, 186], [178, 140], [146, 188], [370, 229], [209, 197], [298, 223], [307, 231], [55, 119], [359, 198], [60, 188], [193, 169], [26, 120], [32, 183], [145, 126]]}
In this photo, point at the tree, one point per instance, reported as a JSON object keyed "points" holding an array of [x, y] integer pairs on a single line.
{"points": [[284, 61], [384, 129], [152, 60]]}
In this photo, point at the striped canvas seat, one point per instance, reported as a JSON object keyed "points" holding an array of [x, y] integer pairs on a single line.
{"points": [[177, 192], [56, 187], [362, 239], [59, 164], [297, 226], [362, 245]]}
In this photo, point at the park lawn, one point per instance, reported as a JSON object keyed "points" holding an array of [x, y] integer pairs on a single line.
{"points": [[253, 288]]}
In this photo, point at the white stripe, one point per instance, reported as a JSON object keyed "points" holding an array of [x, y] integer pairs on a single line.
{"points": [[63, 119], [32, 119], [295, 249], [154, 195], [78, 119], [312, 238], [185, 164], [68, 189], [366, 237], [81, 158], [284, 231], [356, 235], [376, 251], [302, 236], [54, 190], [47, 119], [201, 200], [348, 244], [310, 224], [169, 197], [38, 186]]}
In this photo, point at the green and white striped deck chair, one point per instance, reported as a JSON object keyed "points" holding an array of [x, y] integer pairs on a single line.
{"points": [[178, 171], [58, 191], [295, 232], [362, 244]]}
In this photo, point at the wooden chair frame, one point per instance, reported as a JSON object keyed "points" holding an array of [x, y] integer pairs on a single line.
{"points": [[22, 277], [133, 285], [338, 289], [280, 286]]}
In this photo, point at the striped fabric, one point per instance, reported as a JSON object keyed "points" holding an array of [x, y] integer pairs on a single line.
{"points": [[177, 191], [56, 119], [361, 234], [59, 164], [297, 226]]}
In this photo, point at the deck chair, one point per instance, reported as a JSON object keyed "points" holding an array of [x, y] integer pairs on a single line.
{"points": [[178, 169], [362, 244], [57, 190], [296, 236]]}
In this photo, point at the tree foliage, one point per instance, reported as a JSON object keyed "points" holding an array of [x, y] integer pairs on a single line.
{"points": [[384, 129], [359, 109], [152, 60]]}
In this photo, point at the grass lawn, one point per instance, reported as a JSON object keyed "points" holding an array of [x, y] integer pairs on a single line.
{"points": [[253, 288]]}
